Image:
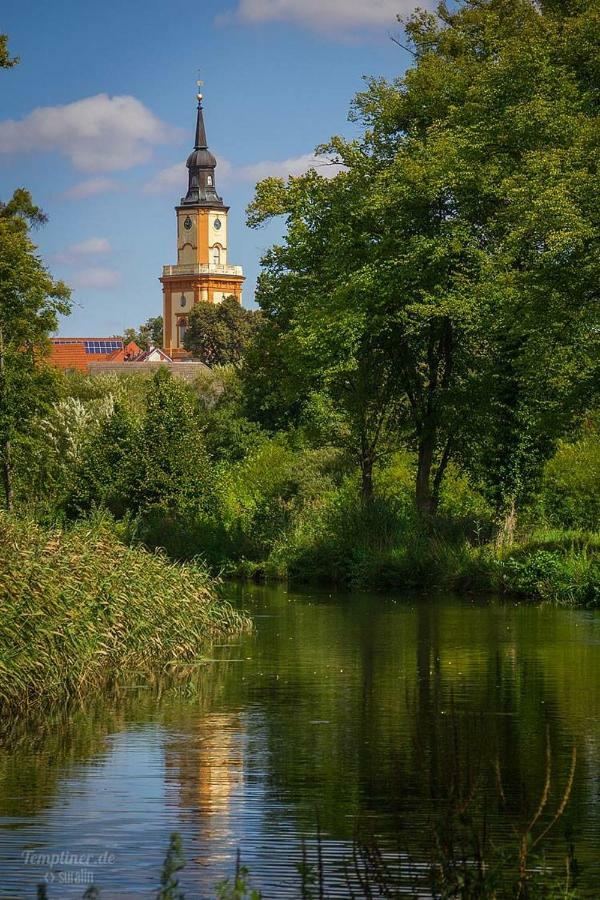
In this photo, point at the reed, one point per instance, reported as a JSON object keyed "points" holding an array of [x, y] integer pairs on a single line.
{"points": [[79, 607]]}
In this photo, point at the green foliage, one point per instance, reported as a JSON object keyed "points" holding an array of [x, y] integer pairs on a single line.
{"points": [[263, 494], [570, 493], [239, 887], [150, 334], [30, 302], [455, 257], [6, 62], [139, 463], [230, 435], [79, 606], [107, 473], [219, 333], [172, 466], [567, 576]]}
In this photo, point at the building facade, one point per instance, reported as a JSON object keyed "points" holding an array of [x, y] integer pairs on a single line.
{"points": [[202, 272]]}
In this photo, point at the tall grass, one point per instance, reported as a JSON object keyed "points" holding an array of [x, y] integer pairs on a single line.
{"points": [[79, 606]]}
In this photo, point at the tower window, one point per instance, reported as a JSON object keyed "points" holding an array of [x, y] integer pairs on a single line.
{"points": [[182, 300], [209, 180], [181, 330], [216, 256]]}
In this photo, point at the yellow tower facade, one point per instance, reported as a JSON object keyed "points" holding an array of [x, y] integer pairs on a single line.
{"points": [[202, 272]]}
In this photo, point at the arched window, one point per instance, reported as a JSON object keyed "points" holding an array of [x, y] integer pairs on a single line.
{"points": [[181, 330], [216, 256], [209, 180]]}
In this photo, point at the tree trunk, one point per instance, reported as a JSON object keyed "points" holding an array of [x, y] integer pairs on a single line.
{"points": [[366, 471], [424, 497], [439, 475]]}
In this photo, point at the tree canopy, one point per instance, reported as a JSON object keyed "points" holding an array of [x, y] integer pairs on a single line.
{"points": [[219, 333], [455, 258], [30, 301], [150, 334]]}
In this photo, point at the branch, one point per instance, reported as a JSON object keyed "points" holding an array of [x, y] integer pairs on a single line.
{"points": [[402, 46]]}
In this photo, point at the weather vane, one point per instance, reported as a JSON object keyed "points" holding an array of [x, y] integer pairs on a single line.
{"points": [[200, 84]]}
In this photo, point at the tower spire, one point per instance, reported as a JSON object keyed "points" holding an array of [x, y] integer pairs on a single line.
{"points": [[201, 142], [201, 165]]}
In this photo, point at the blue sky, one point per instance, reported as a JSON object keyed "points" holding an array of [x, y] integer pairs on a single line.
{"points": [[99, 117]]}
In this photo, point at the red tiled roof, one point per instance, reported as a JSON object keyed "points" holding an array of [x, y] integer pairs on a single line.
{"points": [[70, 353], [69, 356]]}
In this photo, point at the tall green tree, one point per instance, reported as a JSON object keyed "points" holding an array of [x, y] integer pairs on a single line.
{"points": [[219, 333], [30, 301], [172, 465], [460, 244]]}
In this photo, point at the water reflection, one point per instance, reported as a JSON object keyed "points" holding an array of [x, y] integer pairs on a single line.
{"points": [[368, 710]]}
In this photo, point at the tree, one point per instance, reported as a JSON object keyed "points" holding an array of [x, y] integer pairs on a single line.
{"points": [[30, 301], [172, 465], [6, 62], [457, 253], [220, 333], [150, 334]]}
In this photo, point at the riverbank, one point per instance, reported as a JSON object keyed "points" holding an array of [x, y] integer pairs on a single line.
{"points": [[79, 607], [558, 566], [385, 547]]}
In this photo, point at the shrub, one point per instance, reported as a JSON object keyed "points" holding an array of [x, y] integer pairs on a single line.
{"points": [[570, 495], [571, 578]]}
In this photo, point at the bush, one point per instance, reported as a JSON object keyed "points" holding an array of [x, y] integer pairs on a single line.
{"points": [[337, 539], [570, 495], [570, 577]]}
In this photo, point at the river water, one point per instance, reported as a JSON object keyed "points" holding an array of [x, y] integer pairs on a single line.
{"points": [[350, 714]]}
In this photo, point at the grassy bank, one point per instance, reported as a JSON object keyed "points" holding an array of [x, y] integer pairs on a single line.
{"points": [[78, 606], [563, 568]]}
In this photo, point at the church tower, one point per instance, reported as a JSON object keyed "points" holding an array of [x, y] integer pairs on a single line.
{"points": [[202, 273]]}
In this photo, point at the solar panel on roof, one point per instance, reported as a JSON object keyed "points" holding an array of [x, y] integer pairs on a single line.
{"points": [[102, 346]]}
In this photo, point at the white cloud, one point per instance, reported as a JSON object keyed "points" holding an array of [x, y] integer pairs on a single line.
{"points": [[90, 187], [98, 134], [95, 278], [77, 253], [174, 178], [298, 165], [91, 246], [327, 15]]}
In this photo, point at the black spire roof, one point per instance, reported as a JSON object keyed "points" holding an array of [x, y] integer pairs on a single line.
{"points": [[201, 165]]}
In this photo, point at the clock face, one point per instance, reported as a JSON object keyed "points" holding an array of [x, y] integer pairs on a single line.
{"points": [[218, 224], [187, 224]]}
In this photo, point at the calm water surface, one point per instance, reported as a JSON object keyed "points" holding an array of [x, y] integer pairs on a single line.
{"points": [[369, 710]]}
